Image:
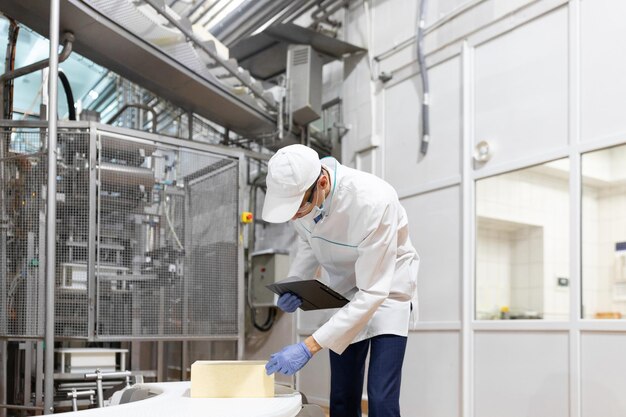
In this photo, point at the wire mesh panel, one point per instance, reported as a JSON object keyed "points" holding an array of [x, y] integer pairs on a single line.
{"points": [[72, 234], [21, 186], [167, 242], [212, 256], [146, 238], [23, 235]]}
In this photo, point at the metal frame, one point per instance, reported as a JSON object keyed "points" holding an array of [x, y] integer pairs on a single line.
{"points": [[240, 261], [95, 132], [51, 208], [99, 130], [100, 40], [93, 233], [468, 234], [138, 135]]}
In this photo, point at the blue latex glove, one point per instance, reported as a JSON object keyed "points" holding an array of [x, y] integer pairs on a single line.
{"points": [[289, 360], [289, 302]]}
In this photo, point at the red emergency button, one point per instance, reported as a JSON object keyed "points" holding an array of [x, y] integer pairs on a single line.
{"points": [[246, 217]]}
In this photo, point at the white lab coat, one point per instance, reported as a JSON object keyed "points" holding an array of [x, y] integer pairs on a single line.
{"points": [[362, 244]]}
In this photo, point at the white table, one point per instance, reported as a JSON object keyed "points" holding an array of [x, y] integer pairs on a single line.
{"points": [[173, 400]]}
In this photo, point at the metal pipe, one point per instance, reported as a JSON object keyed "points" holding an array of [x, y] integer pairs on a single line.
{"points": [[51, 217], [242, 10], [38, 372], [28, 366], [327, 12], [184, 359], [138, 106], [204, 12], [100, 392], [240, 264], [99, 377], [9, 63], [4, 407], [126, 175], [299, 12], [75, 394], [68, 40], [92, 258], [424, 77], [223, 5], [107, 375]]}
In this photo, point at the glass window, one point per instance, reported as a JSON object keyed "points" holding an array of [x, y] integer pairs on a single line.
{"points": [[522, 244], [604, 233]]}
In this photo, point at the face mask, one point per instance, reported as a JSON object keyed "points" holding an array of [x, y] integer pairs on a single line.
{"points": [[319, 212], [316, 214]]}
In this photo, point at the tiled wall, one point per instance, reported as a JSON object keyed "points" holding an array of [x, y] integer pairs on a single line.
{"points": [[604, 224], [593, 296], [532, 209], [493, 266], [612, 229], [523, 244]]}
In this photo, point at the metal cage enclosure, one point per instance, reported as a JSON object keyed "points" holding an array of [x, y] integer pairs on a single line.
{"points": [[147, 235]]}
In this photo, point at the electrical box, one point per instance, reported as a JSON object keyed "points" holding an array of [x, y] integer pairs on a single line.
{"points": [[304, 78], [267, 267]]}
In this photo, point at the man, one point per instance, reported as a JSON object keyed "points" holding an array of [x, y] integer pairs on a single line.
{"points": [[352, 225]]}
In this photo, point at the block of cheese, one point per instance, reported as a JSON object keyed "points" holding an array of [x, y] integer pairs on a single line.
{"points": [[230, 379]]}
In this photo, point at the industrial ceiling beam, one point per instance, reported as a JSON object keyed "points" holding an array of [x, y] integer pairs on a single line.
{"points": [[112, 46]]}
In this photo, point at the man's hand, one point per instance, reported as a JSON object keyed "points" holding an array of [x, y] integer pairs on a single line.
{"points": [[289, 302], [289, 360]]}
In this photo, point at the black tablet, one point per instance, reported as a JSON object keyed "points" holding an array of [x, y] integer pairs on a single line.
{"points": [[315, 294]]}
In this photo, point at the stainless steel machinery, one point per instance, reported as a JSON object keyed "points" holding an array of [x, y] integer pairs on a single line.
{"points": [[148, 236]]}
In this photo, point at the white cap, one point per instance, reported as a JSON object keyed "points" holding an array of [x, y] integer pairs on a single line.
{"points": [[290, 172]]}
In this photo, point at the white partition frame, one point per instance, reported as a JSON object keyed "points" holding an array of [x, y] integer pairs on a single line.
{"points": [[403, 67]]}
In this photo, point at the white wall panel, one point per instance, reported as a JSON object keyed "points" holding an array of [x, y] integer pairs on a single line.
{"points": [[603, 65], [521, 89], [430, 374], [439, 9], [521, 374], [404, 168], [435, 228], [393, 21], [366, 161], [603, 375], [357, 108]]}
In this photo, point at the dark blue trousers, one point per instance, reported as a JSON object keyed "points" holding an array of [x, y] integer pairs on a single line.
{"points": [[347, 372]]}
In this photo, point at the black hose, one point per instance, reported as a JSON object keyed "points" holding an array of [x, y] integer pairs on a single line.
{"points": [[269, 322], [68, 95], [424, 77]]}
